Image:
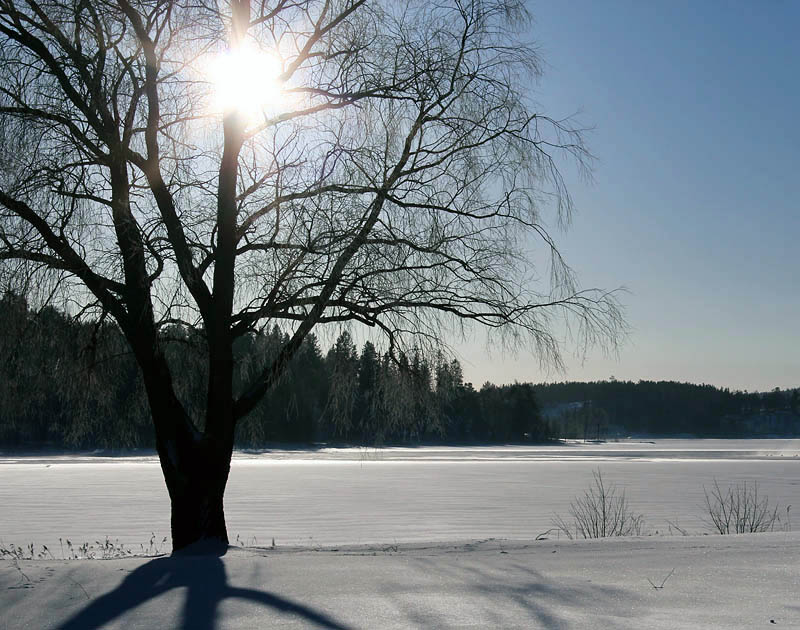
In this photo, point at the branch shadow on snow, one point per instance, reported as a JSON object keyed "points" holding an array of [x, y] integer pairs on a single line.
{"points": [[531, 599], [206, 585]]}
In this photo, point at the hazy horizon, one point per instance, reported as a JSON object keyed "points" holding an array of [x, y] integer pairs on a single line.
{"points": [[692, 208]]}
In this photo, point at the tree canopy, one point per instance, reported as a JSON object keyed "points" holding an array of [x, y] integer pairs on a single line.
{"points": [[302, 162]]}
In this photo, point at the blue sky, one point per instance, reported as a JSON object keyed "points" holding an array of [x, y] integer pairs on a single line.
{"points": [[694, 205]]}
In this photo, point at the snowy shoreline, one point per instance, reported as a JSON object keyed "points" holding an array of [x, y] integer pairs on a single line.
{"points": [[651, 448]]}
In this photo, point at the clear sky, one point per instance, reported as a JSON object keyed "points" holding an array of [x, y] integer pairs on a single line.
{"points": [[694, 207]]}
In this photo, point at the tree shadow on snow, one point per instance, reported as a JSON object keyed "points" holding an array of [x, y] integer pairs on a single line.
{"points": [[530, 599], [206, 586]]}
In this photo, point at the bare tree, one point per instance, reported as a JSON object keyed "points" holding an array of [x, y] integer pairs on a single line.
{"points": [[391, 174]]}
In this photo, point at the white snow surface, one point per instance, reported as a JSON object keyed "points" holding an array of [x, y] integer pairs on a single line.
{"points": [[406, 538], [393, 495], [747, 581]]}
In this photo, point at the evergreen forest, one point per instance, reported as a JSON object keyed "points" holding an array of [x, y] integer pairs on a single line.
{"points": [[72, 384]]}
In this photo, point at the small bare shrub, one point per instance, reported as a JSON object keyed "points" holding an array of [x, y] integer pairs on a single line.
{"points": [[29, 552], [602, 511], [100, 550], [674, 527], [740, 509]]}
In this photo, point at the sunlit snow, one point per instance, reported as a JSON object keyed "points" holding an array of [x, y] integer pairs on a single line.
{"points": [[352, 496]]}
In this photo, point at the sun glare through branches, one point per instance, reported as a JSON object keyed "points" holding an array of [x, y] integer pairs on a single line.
{"points": [[246, 80]]}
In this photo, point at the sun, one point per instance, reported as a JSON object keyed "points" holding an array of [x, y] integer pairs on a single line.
{"points": [[246, 80]]}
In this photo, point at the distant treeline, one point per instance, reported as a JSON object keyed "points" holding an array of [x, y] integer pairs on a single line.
{"points": [[69, 384], [614, 408]]}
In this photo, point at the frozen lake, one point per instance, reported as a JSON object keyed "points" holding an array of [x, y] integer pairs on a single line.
{"points": [[351, 496]]}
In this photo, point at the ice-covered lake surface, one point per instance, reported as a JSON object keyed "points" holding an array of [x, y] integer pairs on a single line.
{"points": [[333, 496]]}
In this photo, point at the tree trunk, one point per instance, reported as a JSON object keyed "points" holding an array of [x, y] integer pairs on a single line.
{"points": [[196, 475], [195, 465], [197, 515]]}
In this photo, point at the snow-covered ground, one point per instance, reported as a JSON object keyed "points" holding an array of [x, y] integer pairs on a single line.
{"points": [[358, 496], [426, 538], [749, 581]]}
